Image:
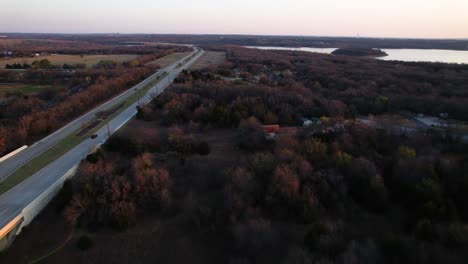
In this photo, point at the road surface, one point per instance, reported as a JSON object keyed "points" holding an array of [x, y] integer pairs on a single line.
{"points": [[16, 199], [10, 165]]}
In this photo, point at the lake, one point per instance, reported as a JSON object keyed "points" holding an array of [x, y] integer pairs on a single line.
{"points": [[317, 50], [446, 56]]}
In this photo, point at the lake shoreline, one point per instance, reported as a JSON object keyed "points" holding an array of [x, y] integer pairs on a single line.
{"points": [[406, 55]]}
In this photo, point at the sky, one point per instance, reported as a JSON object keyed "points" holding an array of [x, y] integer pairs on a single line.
{"points": [[370, 18]]}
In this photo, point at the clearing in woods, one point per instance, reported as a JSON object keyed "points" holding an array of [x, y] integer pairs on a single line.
{"points": [[169, 59], [59, 59], [208, 59]]}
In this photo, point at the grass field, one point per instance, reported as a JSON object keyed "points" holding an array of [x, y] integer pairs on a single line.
{"points": [[23, 88], [10, 42], [169, 59], [65, 145], [59, 59], [208, 59]]}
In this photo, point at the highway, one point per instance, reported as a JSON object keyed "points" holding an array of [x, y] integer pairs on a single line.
{"points": [[10, 165], [16, 199]]}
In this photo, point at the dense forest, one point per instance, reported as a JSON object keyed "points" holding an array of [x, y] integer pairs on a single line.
{"points": [[360, 52], [197, 158], [365, 86]]}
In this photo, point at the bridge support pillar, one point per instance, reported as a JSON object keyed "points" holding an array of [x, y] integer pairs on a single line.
{"points": [[9, 232]]}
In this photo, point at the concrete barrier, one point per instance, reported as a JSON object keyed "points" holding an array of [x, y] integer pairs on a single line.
{"points": [[27, 215], [8, 233], [11, 154], [36, 206]]}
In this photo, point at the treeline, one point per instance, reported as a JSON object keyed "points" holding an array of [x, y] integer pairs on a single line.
{"points": [[17, 66], [366, 86], [27, 47], [225, 104], [44, 64], [271, 41]]}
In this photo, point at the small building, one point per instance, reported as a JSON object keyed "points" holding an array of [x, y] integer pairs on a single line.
{"points": [[271, 131], [432, 121], [444, 115], [276, 76], [310, 121], [237, 72]]}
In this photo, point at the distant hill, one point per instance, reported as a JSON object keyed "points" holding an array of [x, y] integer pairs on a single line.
{"points": [[360, 52]]}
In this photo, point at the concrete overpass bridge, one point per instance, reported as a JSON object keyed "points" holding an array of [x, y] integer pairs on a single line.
{"points": [[21, 204]]}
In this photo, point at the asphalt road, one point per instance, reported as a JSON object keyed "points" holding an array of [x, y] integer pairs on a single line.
{"points": [[10, 165], [16, 199]]}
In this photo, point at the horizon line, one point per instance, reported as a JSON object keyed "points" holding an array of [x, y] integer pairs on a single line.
{"points": [[233, 34]]}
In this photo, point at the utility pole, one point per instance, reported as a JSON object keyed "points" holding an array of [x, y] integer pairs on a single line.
{"points": [[138, 96]]}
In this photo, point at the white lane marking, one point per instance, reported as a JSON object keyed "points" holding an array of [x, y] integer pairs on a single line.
{"points": [[3, 211]]}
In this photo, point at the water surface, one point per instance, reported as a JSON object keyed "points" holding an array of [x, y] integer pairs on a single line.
{"points": [[317, 50], [446, 56], [414, 55]]}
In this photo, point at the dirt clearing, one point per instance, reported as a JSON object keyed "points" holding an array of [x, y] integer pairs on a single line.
{"points": [[208, 59], [169, 59]]}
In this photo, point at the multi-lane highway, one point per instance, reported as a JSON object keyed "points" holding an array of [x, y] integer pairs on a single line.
{"points": [[16, 199], [10, 165]]}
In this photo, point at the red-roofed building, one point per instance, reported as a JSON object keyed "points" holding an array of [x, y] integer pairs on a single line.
{"points": [[271, 131]]}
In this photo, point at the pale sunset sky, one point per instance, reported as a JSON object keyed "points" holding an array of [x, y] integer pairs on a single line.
{"points": [[373, 18]]}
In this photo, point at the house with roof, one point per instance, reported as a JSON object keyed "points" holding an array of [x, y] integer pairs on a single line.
{"points": [[310, 121], [271, 131]]}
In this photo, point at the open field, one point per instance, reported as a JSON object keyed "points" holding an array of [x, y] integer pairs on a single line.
{"points": [[208, 59], [169, 59], [7, 42], [59, 59], [23, 88]]}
